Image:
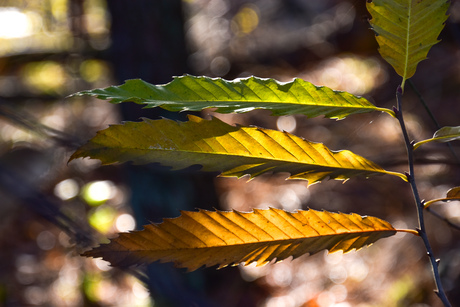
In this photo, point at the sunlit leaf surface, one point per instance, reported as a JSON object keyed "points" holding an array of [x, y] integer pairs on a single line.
{"points": [[217, 146], [445, 134], [406, 30], [189, 93], [208, 238]]}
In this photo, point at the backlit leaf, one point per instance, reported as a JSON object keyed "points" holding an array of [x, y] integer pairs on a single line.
{"points": [[452, 194], [189, 93], [217, 146], [445, 134], [209, 238], [406, 30]]}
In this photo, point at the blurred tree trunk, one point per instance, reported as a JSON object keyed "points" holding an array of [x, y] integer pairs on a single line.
{"points": [[148, 42]]}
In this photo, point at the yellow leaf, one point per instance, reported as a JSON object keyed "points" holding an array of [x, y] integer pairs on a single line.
{"points": [[217, 146], [452, 194], [209, 238], [406, 30]]}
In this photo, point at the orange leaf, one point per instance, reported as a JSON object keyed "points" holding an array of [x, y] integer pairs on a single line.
{"points": [[209, 238]]}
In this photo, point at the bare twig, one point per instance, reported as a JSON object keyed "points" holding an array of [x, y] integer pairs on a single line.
{"points": [[443, 218], [433, 118], [420, 208]]}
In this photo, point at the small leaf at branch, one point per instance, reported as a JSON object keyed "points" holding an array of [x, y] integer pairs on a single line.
{"points": [[406, 30], [445, 134], [208, 238], [452, 194], [189, 93], [217, 146]]}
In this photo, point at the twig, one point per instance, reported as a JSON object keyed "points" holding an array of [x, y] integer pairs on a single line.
{"points": [[443, 218], [433, 119], [420, 209]]}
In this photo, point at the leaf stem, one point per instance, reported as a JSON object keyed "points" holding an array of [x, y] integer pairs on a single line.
{"points": [[411, 178], [428, 203], [412, 231]]}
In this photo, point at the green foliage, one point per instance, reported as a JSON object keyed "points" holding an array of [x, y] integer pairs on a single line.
{"points": [[445, 134], [189, 93], [406, 30]]}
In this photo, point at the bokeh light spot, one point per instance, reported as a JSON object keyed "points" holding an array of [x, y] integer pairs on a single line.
{"points": [[102, 264], [93, 70], [340, 293], [358, 270], [280, 275], [14, 23], [325, 299], [98, 192], [66, 189], [102, 218], [281, 301], [90, 283], [338, 274], [140, 291], [220, 66], [286, 123], [246, 20], [35, 295], [45, 77], [125, 222], [46, 240], [252, 272]]}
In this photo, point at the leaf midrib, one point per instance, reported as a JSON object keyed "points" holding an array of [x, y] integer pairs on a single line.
{"points": [[267, 242], [230, 100], [406, 60], [257, 158]]}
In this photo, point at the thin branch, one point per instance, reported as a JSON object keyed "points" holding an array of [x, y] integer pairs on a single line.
{"points": [[419, 204], [427, 109], [443, 218], [433, 118]]}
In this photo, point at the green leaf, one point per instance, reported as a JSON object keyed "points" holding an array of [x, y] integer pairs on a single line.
{"points": [[217, 146], [445, 134], [208, 238], [189, 93], [406, 30]]}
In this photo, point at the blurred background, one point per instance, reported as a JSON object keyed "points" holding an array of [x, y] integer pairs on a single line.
{"points": [[50, 210]]}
